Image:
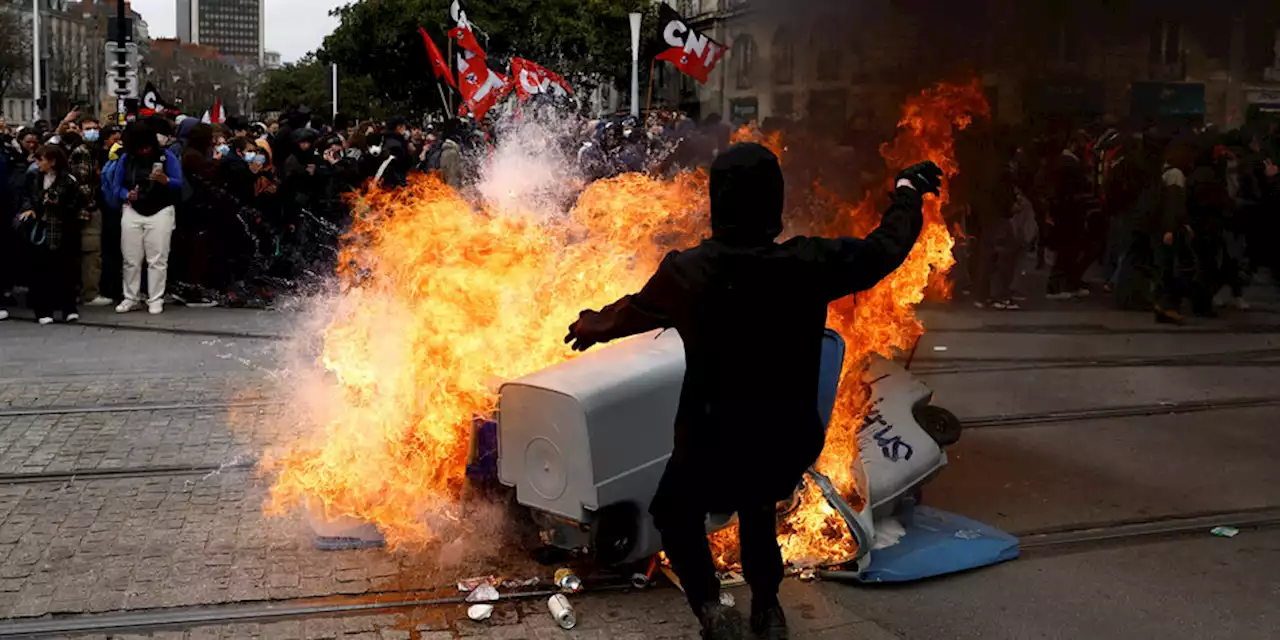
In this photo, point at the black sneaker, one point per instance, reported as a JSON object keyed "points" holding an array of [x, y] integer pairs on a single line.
{"points": [[769, 624], [722, 623]]}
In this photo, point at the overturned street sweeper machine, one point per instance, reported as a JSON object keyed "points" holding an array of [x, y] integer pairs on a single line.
{"points": [[584, 443]]}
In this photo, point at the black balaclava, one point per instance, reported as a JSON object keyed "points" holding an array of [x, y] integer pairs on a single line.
{"points": [[746, 195]]}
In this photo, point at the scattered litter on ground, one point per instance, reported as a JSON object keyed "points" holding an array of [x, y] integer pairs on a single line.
{"points": [[480, 612], [731, 578], [562, 611], [939, 348], [469, 584], [483, 593], [567, 581], [1225, 532], [520, 584], [889, 531]]}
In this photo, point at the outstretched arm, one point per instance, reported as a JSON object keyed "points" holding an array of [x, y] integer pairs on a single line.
{"points": [[850, 265], [651, 308]]}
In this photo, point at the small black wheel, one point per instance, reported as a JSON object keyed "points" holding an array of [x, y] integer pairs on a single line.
{"points": [[941, 425], [614, 533]]}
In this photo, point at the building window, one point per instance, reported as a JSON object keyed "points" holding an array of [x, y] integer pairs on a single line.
{"points": [[744, 60], [784, 57], [828, 39]]}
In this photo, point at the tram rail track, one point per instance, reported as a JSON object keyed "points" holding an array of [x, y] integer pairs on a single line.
{"points": [[1033, 543], [998, 421]]}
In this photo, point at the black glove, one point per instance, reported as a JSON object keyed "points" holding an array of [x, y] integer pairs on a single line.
{"points": [[925, 177], [579, 336]]}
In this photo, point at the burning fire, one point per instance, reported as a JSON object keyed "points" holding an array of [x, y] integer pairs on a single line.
{"points": [[442, 301]]}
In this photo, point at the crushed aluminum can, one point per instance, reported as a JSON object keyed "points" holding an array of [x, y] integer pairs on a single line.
{"points": [[567, 581], [727, 599], [484, 593], [639, 580], [562, 611], [1225, 532], [479, 612]]}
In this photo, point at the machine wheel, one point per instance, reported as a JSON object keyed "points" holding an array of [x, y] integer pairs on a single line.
{"points": [[614, 533], [941, 425]]}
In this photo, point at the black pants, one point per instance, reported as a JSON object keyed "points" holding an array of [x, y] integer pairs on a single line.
{"points": [[1071, 260], [997, 261], [112, 260], [684, 538], [55, 280]]}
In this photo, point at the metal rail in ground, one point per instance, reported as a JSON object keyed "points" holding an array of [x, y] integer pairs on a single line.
{"points": [[1200, 523], [1103, 330], [186, 617], [952, 366], [1059, 538], [215, 333], [123, 472], [142, 406], [193, 616], [1131, 411]]}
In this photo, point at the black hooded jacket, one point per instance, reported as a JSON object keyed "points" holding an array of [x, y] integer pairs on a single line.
{"points": [[751, 314]]}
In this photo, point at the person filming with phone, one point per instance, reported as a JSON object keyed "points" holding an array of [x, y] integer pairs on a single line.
{"points": [[149, 184]]}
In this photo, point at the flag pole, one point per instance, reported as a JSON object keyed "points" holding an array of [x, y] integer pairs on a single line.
{"points": [[635, 63], [648, 103], [449, 104]]}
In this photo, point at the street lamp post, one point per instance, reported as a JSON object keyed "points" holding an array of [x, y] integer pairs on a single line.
{"points": [[35, 60]]}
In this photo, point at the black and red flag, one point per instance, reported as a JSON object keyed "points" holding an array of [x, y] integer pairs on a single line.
{"points": [[691, 51], [438, 64]]}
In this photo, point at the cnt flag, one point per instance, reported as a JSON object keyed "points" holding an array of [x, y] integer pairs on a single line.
{"points": [[692, 52], [532, 78], [481, 88], [438, 63]]}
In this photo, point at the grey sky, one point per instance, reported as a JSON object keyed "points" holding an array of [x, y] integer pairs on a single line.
{"points": [[294, 27]]}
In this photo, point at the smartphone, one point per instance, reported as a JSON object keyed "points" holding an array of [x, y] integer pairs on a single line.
{"points": [[159, 166]]}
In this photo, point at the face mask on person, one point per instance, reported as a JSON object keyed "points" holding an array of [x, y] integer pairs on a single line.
{"points": [[223, 149], [91, 135], [250, 157]]}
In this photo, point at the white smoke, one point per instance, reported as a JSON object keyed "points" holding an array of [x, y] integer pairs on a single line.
{"points": [[533, 169]]}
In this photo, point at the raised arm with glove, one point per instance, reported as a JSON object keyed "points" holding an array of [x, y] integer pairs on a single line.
{"points": [[751, 314]]}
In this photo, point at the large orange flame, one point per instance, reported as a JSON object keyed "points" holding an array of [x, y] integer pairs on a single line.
{"points": [[441, 301]]}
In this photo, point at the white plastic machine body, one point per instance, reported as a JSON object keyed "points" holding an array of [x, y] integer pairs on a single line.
{"points": [[594, 431]]}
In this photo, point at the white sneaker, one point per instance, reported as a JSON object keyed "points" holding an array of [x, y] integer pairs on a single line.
{"points": [[4, 314], [128, 305], [155, 308], [1083, 293], [100, 301], [1243, 304], [72, 317], [45, 321]]}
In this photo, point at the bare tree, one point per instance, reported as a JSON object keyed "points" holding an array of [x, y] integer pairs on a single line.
{"points": [[15, 50]]}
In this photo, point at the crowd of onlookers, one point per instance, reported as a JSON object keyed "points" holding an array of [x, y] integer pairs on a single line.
{"points": [[174, 210], [1165, 214]]}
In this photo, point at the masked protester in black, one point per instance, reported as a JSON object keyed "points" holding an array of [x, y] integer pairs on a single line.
{"points": [[751, 314]]}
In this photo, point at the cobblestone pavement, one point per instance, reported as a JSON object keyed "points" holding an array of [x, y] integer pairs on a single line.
{"points": [[152, 542]]}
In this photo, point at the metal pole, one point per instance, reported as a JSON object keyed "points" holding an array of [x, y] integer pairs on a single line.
{"points": [[335, 92], [35, 60], [635, 63], [122, 56]]}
